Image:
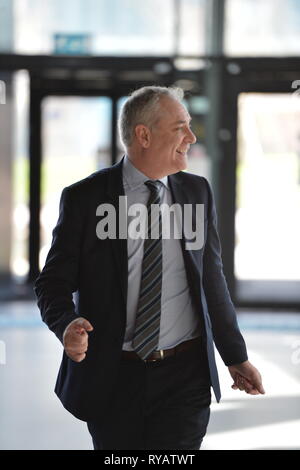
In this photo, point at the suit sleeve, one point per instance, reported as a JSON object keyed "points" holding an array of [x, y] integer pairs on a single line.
{"points": [[227, 336], [59, 277]]}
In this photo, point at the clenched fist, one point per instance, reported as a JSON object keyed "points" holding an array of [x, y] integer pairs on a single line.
{"points": [[75, 339]]}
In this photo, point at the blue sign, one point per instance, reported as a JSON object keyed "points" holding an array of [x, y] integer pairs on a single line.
{"points": [[69, 44]]}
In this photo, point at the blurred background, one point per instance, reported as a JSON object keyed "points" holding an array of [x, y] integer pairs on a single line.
{"points": [[66, 67]]}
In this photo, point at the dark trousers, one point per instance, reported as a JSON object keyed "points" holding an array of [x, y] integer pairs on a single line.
{"points": [[157, 405]]}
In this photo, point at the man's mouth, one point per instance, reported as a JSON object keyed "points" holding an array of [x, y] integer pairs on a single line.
{"points": [[181, 152]]}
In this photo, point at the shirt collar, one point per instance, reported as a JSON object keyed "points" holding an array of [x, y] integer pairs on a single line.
{"points": [[135, 178]]}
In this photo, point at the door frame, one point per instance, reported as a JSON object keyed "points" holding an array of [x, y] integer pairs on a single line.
{"points": [[240, 75]]}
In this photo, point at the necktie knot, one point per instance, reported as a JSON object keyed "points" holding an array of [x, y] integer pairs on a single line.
{"points": [[153, 185]]}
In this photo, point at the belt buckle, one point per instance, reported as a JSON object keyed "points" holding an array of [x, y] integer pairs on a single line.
{"points": [[162, 356]]}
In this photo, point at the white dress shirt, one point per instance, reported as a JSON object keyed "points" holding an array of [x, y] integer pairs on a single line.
{"points": [[179, 321]]}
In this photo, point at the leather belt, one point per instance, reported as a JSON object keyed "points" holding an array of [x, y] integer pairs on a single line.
{"points": [[163, 353]]}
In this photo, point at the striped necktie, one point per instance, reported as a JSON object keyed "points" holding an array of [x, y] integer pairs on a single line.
{"points": [[146, 334]]}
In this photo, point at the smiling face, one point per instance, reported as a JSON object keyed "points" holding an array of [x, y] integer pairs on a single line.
{"points": [[165, 145]]}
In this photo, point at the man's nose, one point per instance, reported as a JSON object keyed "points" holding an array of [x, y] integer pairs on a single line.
{"points": [[191, 137]]}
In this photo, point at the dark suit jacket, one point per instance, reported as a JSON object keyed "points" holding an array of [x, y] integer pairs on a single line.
{"points": [[96, 270]]}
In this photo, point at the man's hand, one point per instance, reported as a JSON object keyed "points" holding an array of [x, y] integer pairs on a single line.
{"points": [[75, 339], [246, 377]]}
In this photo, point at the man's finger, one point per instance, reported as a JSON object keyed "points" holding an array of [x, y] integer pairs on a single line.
{"points": [[78, 357], [77, 350], [260, 388], [84, 324], [243, 384], [76, 341], [79, 337], [247, 386], [257, 384]]}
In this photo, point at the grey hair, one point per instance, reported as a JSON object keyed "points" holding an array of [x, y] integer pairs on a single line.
{"points": [[141, 108]]}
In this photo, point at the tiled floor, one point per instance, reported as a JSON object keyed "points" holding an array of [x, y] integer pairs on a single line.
{"points": [[32, 417]]}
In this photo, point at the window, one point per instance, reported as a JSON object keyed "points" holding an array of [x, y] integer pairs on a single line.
{"points": [[262, 27], [268, 188]]}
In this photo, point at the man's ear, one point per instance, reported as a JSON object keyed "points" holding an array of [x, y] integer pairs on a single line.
{"points": [[143, 135]]}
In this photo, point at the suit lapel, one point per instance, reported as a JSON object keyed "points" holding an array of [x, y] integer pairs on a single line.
{"points": [[115, 189], [182, 196]]}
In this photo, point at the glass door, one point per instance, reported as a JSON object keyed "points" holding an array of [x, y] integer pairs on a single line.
{"points": [[76, 136], [267, 219]]}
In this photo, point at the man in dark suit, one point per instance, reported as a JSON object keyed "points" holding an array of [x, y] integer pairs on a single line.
{"points": [[138, 360]]}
